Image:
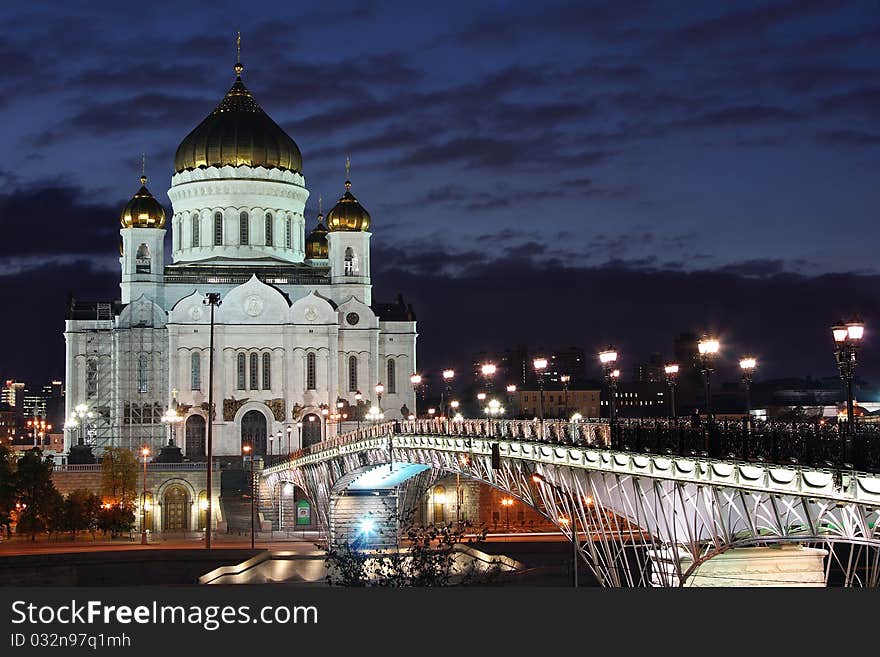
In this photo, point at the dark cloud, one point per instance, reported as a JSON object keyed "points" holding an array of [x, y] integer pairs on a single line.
{"points": [[849, 138], [57, 222]]}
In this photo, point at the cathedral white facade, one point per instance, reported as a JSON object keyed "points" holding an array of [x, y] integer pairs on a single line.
{"points": [[297, 331]]}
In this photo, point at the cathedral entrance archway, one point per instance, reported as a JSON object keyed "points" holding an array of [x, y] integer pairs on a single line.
{"points": [[195, 436], [175, 510], [253, 432], [311, 430]]}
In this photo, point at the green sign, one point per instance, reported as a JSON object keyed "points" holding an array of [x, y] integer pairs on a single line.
{"points": [[303, 513]]}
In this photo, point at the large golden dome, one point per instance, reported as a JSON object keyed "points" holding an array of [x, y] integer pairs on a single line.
{"points": [[316, 243], [238, 133], [348, 213], [143, 210]]}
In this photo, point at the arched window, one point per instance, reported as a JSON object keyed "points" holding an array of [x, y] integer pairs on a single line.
{"points": [[311, 366], [391, 386], [142, 259], [196, 371], [243, 228], [254, 372], [218, 229], [195, 230], [352, 373], [267, 371], [351, 262], [240, 372], [287, 241], [269, 227], [92, 377], [143, 373]]}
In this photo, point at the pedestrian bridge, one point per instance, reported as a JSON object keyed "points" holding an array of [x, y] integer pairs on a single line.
{"points": [[651, 503]]}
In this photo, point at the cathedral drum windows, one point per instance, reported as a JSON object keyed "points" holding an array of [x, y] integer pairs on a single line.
{"points": [[287, 233], [243, 229], [218, 229], [195, 230], [269, 229]]}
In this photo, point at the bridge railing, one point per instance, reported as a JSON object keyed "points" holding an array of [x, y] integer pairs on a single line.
{"points": [[784, 443]]}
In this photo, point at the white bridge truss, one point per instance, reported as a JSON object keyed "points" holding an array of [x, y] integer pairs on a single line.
{"points": [[641, 519]]}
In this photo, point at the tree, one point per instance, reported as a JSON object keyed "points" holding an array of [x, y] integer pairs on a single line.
{"points": [[81, 511], [7, 488], [428, 561], [119, 476], [33, 481], [115, 519]]}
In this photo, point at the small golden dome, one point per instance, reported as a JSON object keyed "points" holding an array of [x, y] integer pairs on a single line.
{"points": [[348, 213], [238, 132], [143, 211], [316, 243]]}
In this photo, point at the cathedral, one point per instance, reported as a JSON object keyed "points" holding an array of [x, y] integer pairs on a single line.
{"points": [[300, 349]]}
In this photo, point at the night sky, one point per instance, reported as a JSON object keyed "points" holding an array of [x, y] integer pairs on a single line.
{"points": [[547, 173]]}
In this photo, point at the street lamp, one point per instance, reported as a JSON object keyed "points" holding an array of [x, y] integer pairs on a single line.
{"points": [[145, 452], [493, 408], [416, 381], [565, 379], [212, 299], [358, 398], [511, 389], [569, 503], [448, 375], [488, 371], [289, 431], [608, 359], [507, 502], [299, 429], [170, 417], [747, 365], [671, 370], [540, 364], [246, 454], [847, 338], [379, 390], [708, 348]]}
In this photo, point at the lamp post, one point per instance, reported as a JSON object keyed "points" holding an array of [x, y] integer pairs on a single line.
{"points": [[569, 503], [379, 390], [246, 454], [145, 452], [511, 389], [212, 299], [488, 371], [671, 370], [847, 338], [608, 360], [170, 417], [416, 381], [448, 375], [289, 430], [540, 364], [325, 411], [507, 502], [299, 428], [747, 365], [708, 348], [80, 453], [564, 379], [494, 409], [358, 398]]}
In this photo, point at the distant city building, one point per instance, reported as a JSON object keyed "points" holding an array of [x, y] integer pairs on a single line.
{"points": [[515, 365], [13, 393], [557, 403], [47, 402], [650, 371], [635, 399]]}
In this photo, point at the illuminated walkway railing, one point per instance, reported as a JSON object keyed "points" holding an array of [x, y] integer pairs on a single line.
{"points": [[784, 443]]}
